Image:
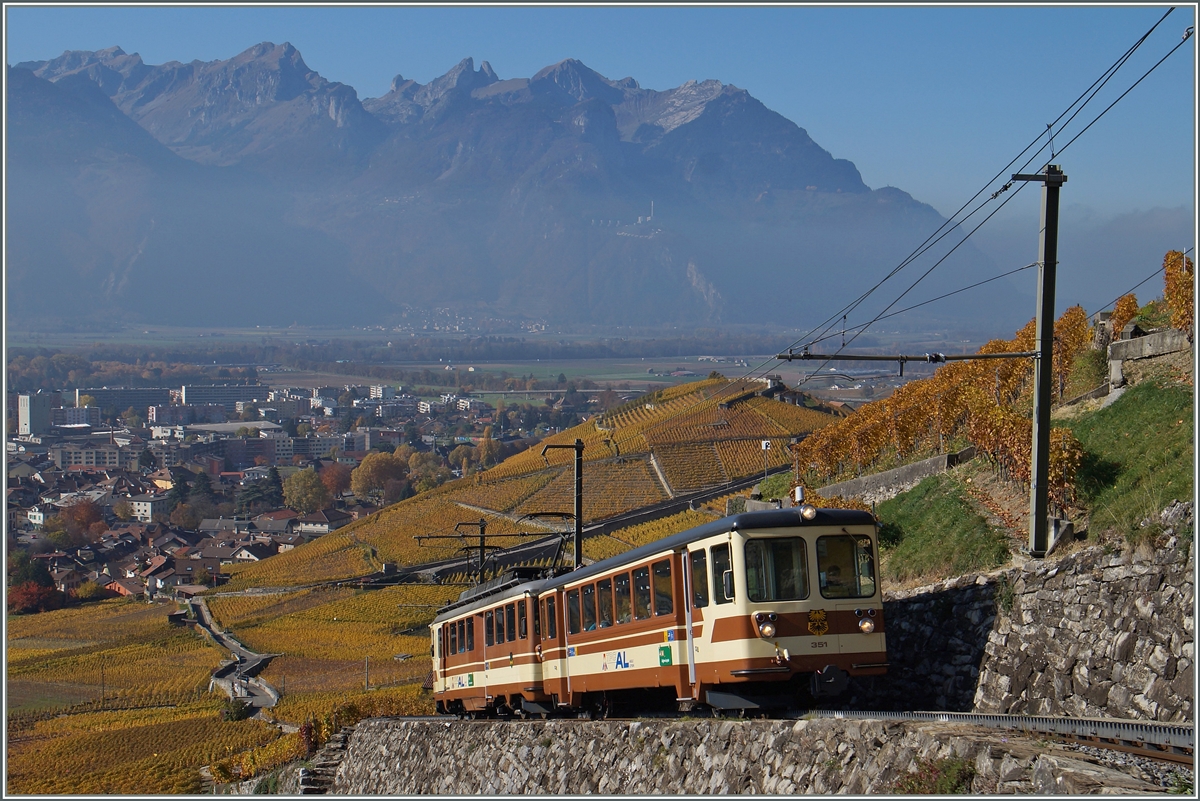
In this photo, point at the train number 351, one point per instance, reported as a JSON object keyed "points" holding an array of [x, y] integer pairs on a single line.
{"points": [[819, 644]]}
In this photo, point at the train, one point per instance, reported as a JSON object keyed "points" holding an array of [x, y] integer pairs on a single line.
{"points": [[759, 611]]}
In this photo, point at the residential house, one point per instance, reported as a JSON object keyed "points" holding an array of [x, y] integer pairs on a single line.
{"points": [[147, 507], [322, 522], [254, 552], [127, 587]]}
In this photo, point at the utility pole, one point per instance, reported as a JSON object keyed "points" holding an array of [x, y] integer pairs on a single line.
{"points": [[367, 673], [1052, 180], [578, 448]]}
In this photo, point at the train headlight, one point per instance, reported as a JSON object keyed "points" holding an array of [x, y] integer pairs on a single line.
{"points": [[866, 625], [808, 511], [766, 624]]}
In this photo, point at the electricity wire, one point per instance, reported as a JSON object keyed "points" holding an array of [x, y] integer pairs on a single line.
{"points": [[1088, 93], [1186, 37], [1112, 302]]}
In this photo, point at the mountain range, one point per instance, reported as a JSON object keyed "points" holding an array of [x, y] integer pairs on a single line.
{"points": [[253, 190]]}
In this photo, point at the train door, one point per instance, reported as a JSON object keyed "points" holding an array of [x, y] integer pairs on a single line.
{"points": [[553, 653], [684, 650]]}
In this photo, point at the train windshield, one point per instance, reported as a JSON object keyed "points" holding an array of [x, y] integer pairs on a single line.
{"points": [[846, 566], [776, 569]]}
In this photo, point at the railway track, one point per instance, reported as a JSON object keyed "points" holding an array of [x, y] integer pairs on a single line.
{"points": [[1162, 741]]}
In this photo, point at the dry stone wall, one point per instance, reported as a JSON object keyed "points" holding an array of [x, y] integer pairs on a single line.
{"points": [[696, 757], [1093, 634]]}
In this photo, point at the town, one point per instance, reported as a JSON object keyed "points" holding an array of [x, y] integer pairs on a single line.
{"points": [[149, 491]]}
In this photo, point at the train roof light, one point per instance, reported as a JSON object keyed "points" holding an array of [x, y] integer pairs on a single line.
{"points": [[808, 511]]}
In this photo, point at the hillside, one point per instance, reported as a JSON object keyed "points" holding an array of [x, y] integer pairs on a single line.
{"points": [[721, 421]]}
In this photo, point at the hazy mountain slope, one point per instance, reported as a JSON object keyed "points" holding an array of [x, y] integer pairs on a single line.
{"points": [[103, 223], [517, 197]]}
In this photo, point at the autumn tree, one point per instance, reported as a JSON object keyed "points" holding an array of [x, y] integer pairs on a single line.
{"points": [[489, 449], [336, 478], [186, 517], [1124, 310], [123, 510], [80, 515], [375, 471], [1179, 292], [304, 492], [29, 597], [462, 456]]}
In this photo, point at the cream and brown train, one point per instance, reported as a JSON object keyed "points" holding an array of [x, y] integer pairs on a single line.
{"points": [[748, 612]]}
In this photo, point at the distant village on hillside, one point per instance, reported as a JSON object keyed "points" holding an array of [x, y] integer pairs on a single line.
{"points": [[153, 500]]}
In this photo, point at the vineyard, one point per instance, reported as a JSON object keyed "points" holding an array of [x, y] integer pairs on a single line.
{"points": [[630, 537], [617, 479], [131, 752], [126, 649], [985, 402], [691, 467], [610, 488]]}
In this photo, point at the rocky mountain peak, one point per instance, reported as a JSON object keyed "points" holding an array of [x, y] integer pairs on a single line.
{"points": [[571, 81]]}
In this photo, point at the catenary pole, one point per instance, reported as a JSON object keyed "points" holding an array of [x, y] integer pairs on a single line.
{"points": [[1052, 180]]}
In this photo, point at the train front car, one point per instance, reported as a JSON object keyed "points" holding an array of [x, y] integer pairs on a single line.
{"points": [[756, 611], [791, 607]]}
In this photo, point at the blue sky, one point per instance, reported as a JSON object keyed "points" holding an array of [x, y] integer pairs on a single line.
{"points": [[934, 100]]}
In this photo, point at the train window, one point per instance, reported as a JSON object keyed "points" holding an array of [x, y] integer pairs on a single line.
{"points": [[720, 559], [699, 579], [776, 569], [471, 634], [453, 638], [624, 610], [441, 649], [589, 607], [488, 639], [510, 622], [846, 566], [662, 588], [604, 612], [641, 593], [462, 636], [522, 623], [537, 619], [551, 624], [573, 612], [499, 625]]}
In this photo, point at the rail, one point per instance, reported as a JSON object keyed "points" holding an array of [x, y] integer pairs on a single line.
{"points": [[1174, 742]]}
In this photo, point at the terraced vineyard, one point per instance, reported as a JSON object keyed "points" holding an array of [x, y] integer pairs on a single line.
{"points": [[690, 467], [616, 480], [128, 649], [610, 488], [631, 537], [129, 752], [327, 640]]}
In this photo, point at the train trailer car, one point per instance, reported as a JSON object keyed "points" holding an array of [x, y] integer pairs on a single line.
{"points": [[752, 611]]}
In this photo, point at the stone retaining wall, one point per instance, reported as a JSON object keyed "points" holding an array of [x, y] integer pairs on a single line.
{"points": [[390, 757], [1093, 634]]}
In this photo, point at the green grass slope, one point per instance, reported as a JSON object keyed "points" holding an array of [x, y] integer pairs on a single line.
{"points": [[1139, 453]]}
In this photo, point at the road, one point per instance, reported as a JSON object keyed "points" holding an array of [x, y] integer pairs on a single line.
{"points": [[239, 673]]}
